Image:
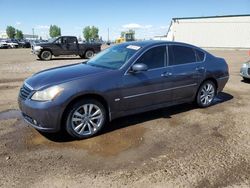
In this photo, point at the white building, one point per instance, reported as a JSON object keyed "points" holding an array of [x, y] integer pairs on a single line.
{"points": [[231, 31], [3, 35]]}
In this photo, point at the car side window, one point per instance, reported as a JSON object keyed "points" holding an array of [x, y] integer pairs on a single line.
{"points": [[64, 40], [181, 55], [58, 41], [72, 40], [200, 55], [154, 58]]}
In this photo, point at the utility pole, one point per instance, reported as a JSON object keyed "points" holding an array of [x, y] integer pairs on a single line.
{"points": [[33, 33]]}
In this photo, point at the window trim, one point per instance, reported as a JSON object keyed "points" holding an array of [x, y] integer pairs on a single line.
{"points": [[193, 48], [204, 57], [165, 58]]}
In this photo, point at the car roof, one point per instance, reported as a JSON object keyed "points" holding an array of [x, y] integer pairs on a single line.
{"points": [[149, 43]]}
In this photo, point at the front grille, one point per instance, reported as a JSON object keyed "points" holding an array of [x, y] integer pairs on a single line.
{"points": [[248, 71], [24, 92]]}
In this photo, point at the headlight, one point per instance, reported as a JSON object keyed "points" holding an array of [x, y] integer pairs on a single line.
{"points": [[37, 48], [47, 94]]}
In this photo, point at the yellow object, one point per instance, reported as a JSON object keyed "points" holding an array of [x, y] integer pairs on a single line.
{"points": [[126, 37]]}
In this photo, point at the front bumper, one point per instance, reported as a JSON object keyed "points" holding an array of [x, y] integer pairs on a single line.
{"points": [[36, 52], [245, 72], [43, 116]]}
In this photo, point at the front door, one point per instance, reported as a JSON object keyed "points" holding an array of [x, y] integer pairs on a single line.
{"points": [[147, 88], [60, 46]]}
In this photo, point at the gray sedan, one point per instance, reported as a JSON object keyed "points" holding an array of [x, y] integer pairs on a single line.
{"points": [[125, 79], [245, 71]]}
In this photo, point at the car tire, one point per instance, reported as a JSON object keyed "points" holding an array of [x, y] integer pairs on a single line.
{"points": [[89, 54], [85, 118], [46, 55], [206, 94]]}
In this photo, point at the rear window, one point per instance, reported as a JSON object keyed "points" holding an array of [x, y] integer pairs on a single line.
{"points": [[181, 55], [200, 55], [72, 40]]}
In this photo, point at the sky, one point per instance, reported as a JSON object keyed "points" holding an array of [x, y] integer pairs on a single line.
{"points": [[148, 18]]}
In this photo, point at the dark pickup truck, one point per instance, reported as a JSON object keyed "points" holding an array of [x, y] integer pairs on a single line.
{"points": [[65, 45]]}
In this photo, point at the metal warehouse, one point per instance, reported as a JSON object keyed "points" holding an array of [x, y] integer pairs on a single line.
{"points": [[231, 31]]}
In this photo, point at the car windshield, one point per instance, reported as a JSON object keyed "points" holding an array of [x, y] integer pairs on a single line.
{"points": [[52, 40], [114, 57]]}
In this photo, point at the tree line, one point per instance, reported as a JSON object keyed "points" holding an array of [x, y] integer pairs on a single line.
{"points": [[14, 33], [90, 33]]}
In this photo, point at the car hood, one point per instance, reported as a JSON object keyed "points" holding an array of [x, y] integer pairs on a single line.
{"points": [[62, 74], [43, 44]]}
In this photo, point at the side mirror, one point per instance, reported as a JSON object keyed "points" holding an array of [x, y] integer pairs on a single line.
{"points": [[139, 67]]}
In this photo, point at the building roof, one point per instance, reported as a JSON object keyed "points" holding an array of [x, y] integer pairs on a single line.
{"points": [[222, 16]]}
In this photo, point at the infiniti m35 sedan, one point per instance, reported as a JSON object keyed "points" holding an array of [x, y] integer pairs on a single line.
{"points": [[124, 79]]}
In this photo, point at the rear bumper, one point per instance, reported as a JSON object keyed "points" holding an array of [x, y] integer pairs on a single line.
{"points": [[221, 83]]}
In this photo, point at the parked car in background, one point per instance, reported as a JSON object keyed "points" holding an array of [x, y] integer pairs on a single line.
{"points": [[245, 71], [65, 45], [13, 43], [124, 79], [4, 44], [24, 43]]}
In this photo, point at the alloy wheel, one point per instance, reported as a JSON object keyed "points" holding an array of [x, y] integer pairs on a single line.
{"points": [[87, 119], [207, 94]]}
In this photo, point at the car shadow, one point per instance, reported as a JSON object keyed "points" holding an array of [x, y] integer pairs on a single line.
{"points": [[140, 118], [167, 113], [64, 58], [246, 81]]}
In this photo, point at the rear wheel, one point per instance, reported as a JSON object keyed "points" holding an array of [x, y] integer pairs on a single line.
{"points": [[89, 54], [85, 118], [46, 55], [206, 94]]}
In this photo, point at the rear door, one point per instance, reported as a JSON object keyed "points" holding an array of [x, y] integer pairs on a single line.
{"points": [[186, 71], [149, 87]]}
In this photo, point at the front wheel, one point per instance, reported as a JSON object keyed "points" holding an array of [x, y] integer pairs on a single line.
{"points": [[206, 94], [46, 55], [85, 118]]}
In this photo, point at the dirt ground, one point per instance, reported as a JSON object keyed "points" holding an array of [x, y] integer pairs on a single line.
{"points": [[180, 146]]}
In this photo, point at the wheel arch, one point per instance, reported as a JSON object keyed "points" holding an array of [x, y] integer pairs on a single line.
{"points": [[210, 79], [97, 97], [46, 49], [92, 49], [207, 79]]}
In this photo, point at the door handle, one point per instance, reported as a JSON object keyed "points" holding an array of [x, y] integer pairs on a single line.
{"points": [[166, 74], [199, 68]]}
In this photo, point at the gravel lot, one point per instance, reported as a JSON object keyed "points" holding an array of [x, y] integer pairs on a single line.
{"points": [[180, 146]]}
